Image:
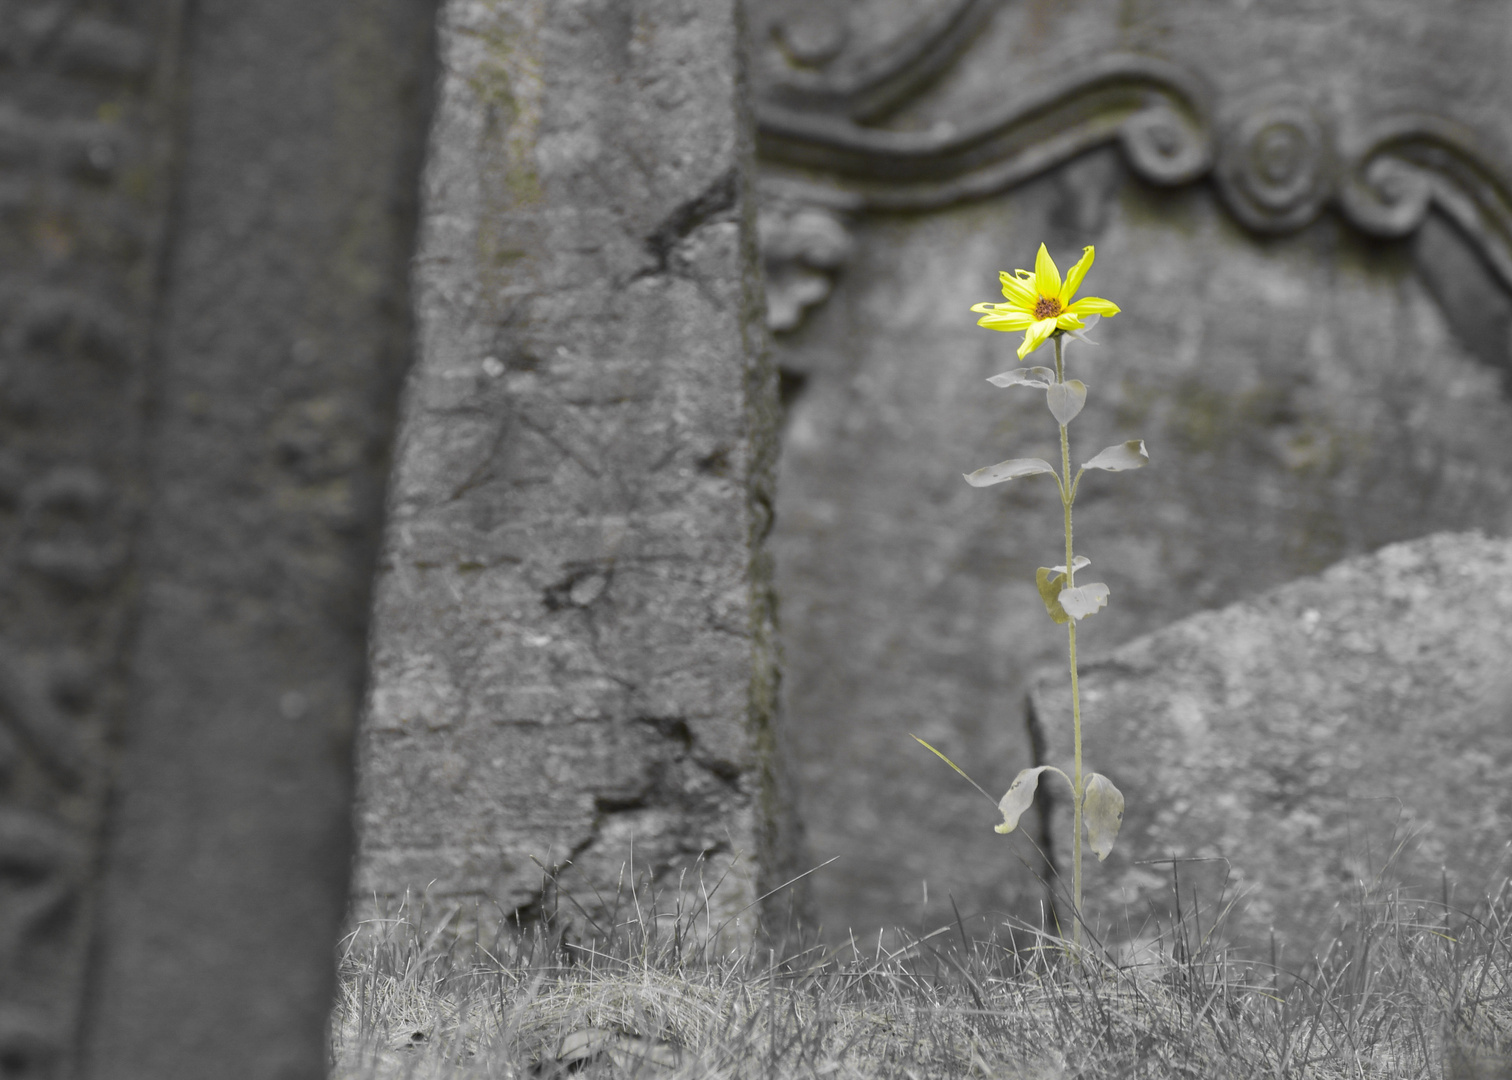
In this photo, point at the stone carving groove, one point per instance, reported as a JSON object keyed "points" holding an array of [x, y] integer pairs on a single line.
{"points": [[877, 83], [1154, 109], [1277, 163]]}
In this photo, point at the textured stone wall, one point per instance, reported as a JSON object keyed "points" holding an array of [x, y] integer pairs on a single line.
{"points": [[1304, 214], [205, 225], [572, 653]]}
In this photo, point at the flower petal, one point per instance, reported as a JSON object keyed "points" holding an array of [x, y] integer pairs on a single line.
{"points": [[1016, 292], [1068, 320], [1035, 336], [1047, 279], [1075, 274], [1093, 305], [1007, 320]]}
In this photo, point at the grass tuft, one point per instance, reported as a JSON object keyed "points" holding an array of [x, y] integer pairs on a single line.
{"points": [[1407, 989]]}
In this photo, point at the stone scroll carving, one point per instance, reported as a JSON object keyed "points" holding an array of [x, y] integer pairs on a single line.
{"points": [[1277, 160]]}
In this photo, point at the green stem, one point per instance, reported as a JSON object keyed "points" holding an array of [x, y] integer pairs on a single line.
{"points": [[1067, 495]]}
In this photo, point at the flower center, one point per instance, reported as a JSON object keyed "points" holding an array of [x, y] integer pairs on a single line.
{"points": [[1047, 308]]}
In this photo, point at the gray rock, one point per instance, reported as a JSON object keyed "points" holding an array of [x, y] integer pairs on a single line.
{"points": [[573, 668], [1343, 734]]}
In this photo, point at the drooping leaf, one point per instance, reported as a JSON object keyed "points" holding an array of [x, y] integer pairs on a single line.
{"points": [[1076, 564], [1129, 455], [1066, 400], [1018, 798], [1050, 585], [1038, 377], [1008, 470], [1083, 600], [1102, 810]]}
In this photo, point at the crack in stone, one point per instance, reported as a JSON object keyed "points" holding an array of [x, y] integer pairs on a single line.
{"points": [[719, 197]]}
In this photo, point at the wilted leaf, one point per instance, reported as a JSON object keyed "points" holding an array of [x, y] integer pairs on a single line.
{"points": [[1018, 798], [1037, 377], [1050, 585], [1066, 400], [1129, 455], [1076, 564], [1008, 470], [1083, 600], [1102, 810]]}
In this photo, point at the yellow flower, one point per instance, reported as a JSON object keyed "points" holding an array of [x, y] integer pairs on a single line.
{"points": [[1040, 303]]}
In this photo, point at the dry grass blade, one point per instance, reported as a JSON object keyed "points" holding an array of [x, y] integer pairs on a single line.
{"points": [[1405, 991]]}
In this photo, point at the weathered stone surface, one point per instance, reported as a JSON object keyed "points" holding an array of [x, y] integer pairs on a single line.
{"points": [[1302, 736], [280, 330], [82, 200], [572, 656], [1313, 380]]}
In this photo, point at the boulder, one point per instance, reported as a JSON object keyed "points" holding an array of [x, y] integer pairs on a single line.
{"points": [[1333, 738]]}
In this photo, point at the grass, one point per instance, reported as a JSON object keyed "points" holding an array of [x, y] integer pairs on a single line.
{"points": [[1407, 989]]}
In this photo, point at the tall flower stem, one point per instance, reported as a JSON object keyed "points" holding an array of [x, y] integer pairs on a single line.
{"points": [[1067, 494]]}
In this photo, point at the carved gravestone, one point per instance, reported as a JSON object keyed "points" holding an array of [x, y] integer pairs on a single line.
{"points": [[1340, 736], [1305, 217], [204, 233], [573, 678]]}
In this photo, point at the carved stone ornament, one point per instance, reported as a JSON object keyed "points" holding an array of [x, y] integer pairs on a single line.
{"points": [[802, 249], [1277, 162]]}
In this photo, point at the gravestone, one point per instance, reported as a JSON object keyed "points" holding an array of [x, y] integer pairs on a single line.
{"points": [[573, 675], [1341, 735], [205, 226], [1304, 214]]}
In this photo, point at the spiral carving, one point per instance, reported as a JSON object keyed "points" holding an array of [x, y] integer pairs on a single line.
{"points": [[1386, 196], [1164, 146], [1404, 166], [1275, 168]]}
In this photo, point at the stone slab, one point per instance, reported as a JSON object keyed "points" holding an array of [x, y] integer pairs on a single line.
{"points": [[1347, 731], [1308, 390], [290, 140], [573, 667]]}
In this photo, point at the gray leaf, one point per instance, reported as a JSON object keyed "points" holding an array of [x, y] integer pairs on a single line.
{"points": [[1084, 600], [1018, 798], [1129, 455], [1037, 377], [1008, 470], [1066, 400], [1102, 810], [1088, 322]]}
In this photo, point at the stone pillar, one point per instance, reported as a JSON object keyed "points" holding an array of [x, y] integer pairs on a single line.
{"points": [[572, 651]]}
